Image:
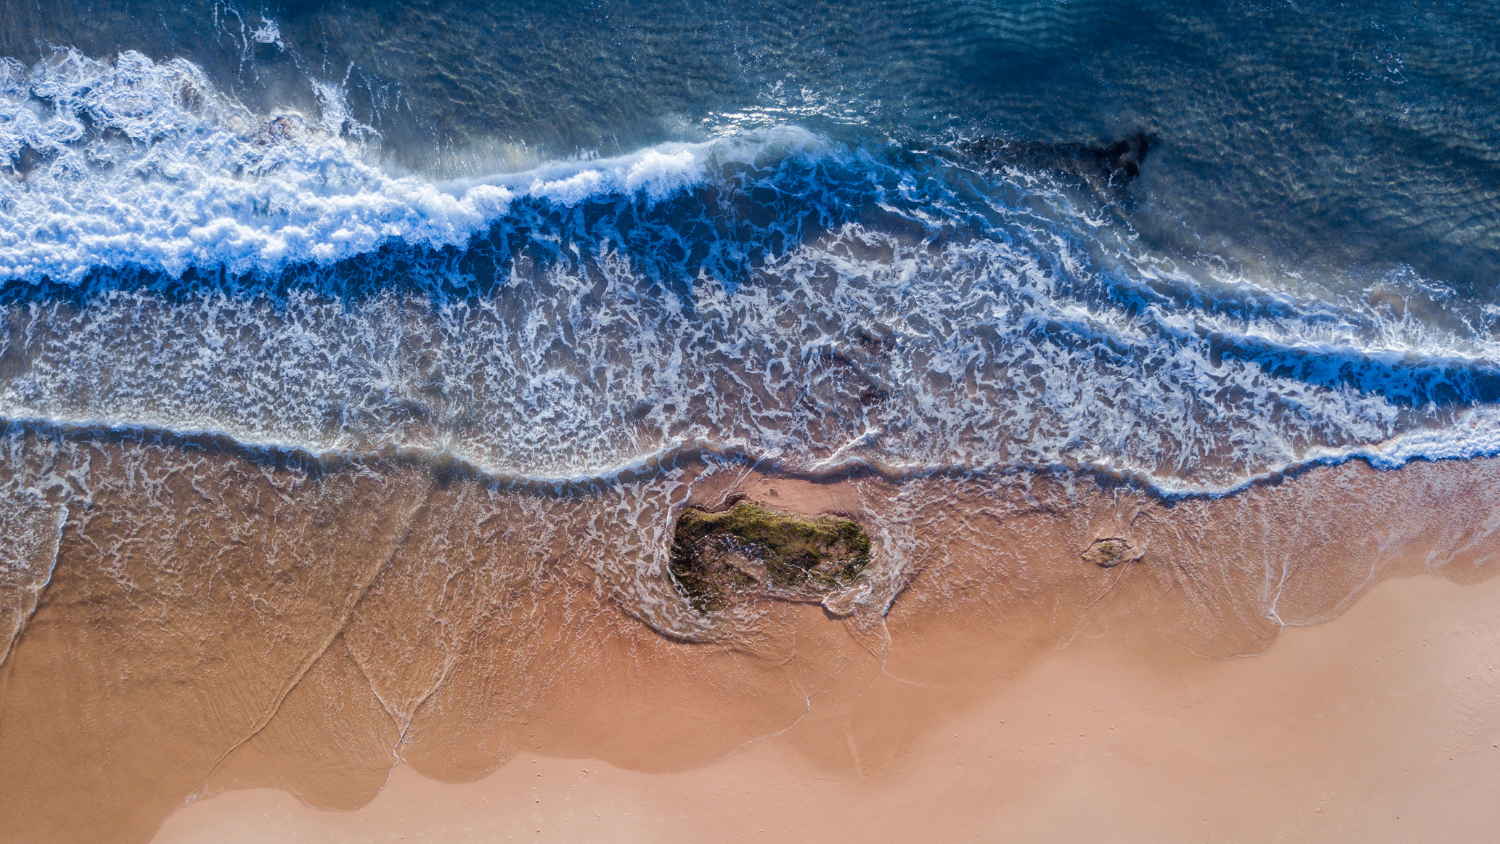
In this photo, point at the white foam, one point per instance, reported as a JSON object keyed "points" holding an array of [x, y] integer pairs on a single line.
{"points": [[992, 367], [269, 32], [1475, 433], [201, 182]]}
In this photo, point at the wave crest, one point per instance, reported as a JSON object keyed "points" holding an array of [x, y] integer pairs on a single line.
{"points": [[132, 163]]}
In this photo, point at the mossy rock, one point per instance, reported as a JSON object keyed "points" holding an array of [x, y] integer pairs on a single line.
{"points": [[1110, 552], [754, 547]]}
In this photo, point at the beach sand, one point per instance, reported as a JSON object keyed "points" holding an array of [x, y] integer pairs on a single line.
{"points": [[252, 625], [1382, 725]]}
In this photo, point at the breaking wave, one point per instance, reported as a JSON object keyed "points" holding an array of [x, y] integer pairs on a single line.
{"points": [[175, 262]]}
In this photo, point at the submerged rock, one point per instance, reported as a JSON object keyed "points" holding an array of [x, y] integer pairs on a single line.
{"points": [[755, 547], [1106, 168], [1110, 552]]}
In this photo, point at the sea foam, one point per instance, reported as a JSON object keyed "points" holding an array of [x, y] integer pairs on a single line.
{"points": [[132, 163]]}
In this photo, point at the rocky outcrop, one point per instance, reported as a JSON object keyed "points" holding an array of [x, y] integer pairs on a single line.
{"points": [[1110, 552], [1106, 168], [754, 548]]}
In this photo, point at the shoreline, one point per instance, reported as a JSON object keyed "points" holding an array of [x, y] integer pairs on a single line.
{"points": [[444, 461]]}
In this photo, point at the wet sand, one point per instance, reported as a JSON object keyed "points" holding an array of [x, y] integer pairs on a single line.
{"points": [[218, 622], [1382, 725]]}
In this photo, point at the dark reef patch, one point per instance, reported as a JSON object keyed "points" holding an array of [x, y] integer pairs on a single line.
{"points": [[1103, 167], [754, 547]]}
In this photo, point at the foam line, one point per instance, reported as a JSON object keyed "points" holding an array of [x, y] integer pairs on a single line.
{"points": [[1476, 435]]}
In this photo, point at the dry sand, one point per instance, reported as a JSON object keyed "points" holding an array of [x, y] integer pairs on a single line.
{"points": [[1383, 725]]}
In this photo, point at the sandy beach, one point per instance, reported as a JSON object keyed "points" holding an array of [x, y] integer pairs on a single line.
{"points": [[1004, 675], [1378, 726]]}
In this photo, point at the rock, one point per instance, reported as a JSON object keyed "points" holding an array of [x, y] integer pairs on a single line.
{"points": [[755, 548], [1110, 552], [1106, 168]]}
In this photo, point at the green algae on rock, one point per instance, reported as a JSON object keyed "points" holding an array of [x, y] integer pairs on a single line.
{"points": [[752, 546], [1110, 552]]}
